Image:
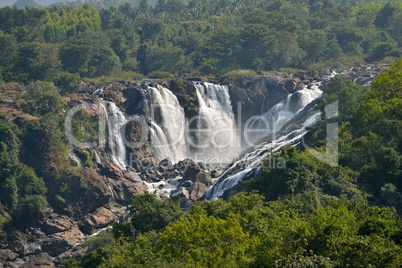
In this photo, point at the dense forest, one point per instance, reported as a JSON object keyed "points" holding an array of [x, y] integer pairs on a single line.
{"points": [[195, 38], [307, 215], [310, 214]]}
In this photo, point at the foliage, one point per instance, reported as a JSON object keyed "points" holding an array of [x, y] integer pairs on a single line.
{"points": [[206, 38], [148, 213]]}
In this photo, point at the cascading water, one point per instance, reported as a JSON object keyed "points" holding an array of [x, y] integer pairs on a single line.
{"points": [[115, 125], [229, 178], [216, 133], [74, 158], [168, 124], [276, 117], [270, 122]]}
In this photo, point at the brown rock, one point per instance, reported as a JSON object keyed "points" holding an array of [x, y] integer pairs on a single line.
{"points": [[197, 190], [7, 255], [54, 245], [149, 162], [102, 217], [204, 178], [72, 236], [42, 260], [56, 223]]}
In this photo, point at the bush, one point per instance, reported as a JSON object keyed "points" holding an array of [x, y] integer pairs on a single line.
{"points": [[69, 83]]}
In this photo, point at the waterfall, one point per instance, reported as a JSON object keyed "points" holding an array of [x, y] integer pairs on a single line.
{"points": [[277, 116], [231, 176], [112, 194], [216, 133], [168, 124], [74, 158], [115, 125], [269, 122]]}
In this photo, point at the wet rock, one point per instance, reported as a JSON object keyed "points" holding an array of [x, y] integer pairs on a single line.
{"points": [[274, 98], [215, 174], [186, 184], [42, 260], [290, 85]]}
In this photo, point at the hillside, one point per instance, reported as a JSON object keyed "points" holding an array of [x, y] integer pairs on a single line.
{"points": [[201, 134]]}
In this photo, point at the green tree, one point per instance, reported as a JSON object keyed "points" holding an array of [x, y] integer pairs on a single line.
{"points": [[148, 213], [90, 55], [206, 241]]}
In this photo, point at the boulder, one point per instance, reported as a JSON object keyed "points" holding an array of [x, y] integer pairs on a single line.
{"points": [[179, 193], [112, 171], [149, 162], [22, 248], [85, 193], [197, 190], [166, 163], [215, 174], [275, 97], [101, 218], [7, 255], [191, 169], [42, 260], [55, 245], [125, 189], [56, 223], [14, 264], [290, 85], [204, 178], [72, 236]]}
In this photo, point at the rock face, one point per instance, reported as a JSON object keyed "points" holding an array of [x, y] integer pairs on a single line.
{"points": [[193, 185], [41, 260], [101, 218]]}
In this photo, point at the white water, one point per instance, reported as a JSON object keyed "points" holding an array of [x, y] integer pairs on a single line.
{"points": [[115, 125], [254, 158], [74, 158], [276, 117], [168, 124], [216, 133], [163, 188]]}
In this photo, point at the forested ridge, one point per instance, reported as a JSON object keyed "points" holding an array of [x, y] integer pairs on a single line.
{"points": [[310, 214], [196, 38]]}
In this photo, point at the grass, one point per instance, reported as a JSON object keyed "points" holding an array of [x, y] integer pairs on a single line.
{"points": [[123, 76], [240, 73]]}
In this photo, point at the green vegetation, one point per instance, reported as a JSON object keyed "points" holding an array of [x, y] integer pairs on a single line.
{"points": [[196, 38], [309, 214]]}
